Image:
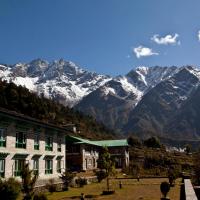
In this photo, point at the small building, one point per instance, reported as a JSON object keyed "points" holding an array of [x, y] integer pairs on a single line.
{"points": [[82, 154], [27, 140]]}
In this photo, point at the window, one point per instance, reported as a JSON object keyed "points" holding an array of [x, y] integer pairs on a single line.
{"points": [[36, 142], [19, 165], [59, 145], [2, 168], [21, 140], [36, 166], [59, 166], [2, 138], [48, 166], [49, 144]]}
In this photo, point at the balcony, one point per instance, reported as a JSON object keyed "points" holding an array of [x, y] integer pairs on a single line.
{"points": [[48, 171], [48, 148], [20, 145]]}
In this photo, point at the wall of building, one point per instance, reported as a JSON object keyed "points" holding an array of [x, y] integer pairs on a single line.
{"points": [[20, 153]]}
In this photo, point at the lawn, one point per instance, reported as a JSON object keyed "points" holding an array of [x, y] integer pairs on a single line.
{"points": [[145, 189]]}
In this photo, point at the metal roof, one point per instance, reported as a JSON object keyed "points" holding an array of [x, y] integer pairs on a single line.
{"points": [[101, 143]]}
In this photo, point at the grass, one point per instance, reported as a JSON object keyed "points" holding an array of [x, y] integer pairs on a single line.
{"points": [[145, 189]]}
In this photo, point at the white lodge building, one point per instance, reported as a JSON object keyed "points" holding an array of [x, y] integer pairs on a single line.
{"points": [[24, 139], [49, 148]]}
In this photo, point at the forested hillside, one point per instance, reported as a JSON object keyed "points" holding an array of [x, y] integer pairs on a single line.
{"points": [[19, 99]]}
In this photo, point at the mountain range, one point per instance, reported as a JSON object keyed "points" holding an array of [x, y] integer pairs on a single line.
{"points": [[162, 101]]}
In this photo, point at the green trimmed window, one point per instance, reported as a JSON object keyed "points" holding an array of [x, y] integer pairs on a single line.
{"points": [[2, 138], [59, 145], [49, 144], [20, 140], [48, 166], [2, 168], [19, 165], [59, 166], [36, 142], [36, 166]]}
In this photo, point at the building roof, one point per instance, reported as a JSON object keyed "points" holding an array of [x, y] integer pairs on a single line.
{"points": [[22, 117], [101, 143]]}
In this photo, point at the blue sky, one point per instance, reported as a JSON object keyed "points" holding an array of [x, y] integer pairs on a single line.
{"points": [[101, 35]]}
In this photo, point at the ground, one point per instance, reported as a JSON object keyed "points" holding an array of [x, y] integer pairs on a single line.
{"points": [[145, 189]]}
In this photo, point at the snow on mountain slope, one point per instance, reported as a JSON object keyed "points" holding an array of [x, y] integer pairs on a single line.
{"points": [[61, 80]]}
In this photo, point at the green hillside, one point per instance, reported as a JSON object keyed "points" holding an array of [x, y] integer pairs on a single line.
{"points": [[21, 100]]}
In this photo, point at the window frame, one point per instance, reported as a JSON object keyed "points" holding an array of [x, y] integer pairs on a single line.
{"points": [[36, 169], [19, 144], [18, 167], [36, 141], [48, 143], [59, 166], [2, 171], [2, 137], [59, 145], [48, 166]]}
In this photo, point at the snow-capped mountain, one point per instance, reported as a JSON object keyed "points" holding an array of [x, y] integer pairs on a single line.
{"points": [[149, 101], [113, 102], [146, 101], [60, 80]]}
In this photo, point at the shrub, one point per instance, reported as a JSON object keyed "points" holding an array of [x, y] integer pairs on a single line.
{"points": [[80, 182], [101, 174], [152, 142], [134, 141], [10, 189], [40, 196], [28, 182], [51, 187], [67, 178], [164, 188]]}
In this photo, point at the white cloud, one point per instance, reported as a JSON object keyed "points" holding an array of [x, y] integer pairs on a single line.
{"points": [[168, 39], [198, 35], [143, 51]]}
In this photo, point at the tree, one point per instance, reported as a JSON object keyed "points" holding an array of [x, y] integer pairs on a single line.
{"points": [[134, 141], [188, 148], [9, 189], [28, 182], [152, 142], [107, 164], [67, 178]]}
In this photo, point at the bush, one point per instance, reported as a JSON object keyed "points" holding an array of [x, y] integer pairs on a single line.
{"points": [[10, 189], [164, 188], [40, 196], [67, 178], [134, 141], [152, 142], [28, 182], [51, 187], [80, 182], [100, 175]]}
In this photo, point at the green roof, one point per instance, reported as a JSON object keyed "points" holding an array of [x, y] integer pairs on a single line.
{"points": [[112, 143], [101, 143]]}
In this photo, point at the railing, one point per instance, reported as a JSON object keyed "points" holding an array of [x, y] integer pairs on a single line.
{"points": [[189, 190], [48, 171], [49, 148], [36, 146], [20, 145], [18, 173]]}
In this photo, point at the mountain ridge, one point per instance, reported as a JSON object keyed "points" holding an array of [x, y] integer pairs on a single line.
{"points": [[146, 101]]}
